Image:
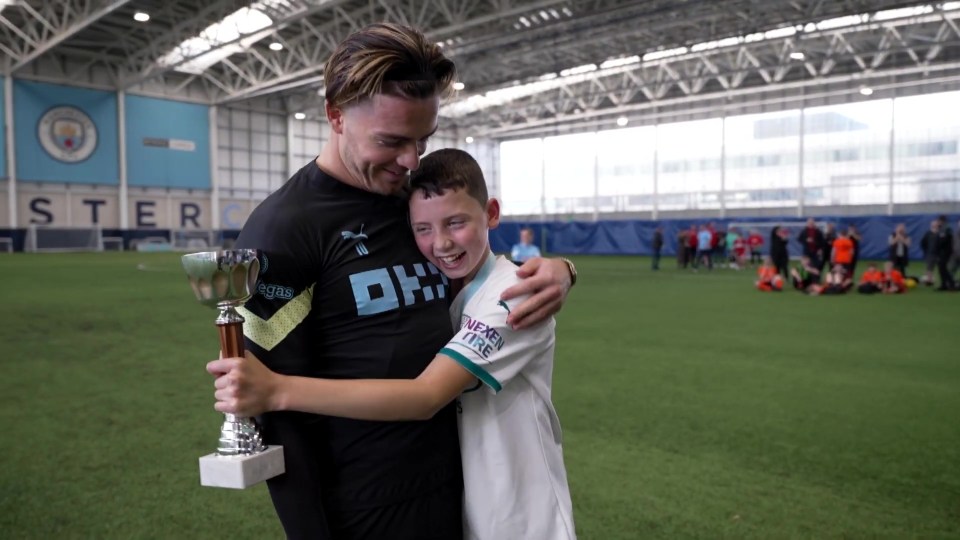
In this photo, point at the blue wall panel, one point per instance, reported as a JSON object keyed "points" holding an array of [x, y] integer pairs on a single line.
{"points": [[168, 143], [634, 237], [75, 155], [3, 130]]}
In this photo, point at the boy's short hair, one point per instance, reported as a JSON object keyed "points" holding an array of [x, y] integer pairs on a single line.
{"points": [[449, 169], [386, 58]]}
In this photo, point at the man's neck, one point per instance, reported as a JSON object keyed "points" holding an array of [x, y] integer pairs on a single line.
{"points": [[329, 161]]}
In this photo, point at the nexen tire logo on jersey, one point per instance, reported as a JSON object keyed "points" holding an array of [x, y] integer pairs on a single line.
{"points": [[274, 291]]}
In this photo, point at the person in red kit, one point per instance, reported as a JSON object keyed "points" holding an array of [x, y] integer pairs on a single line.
{"points": [[893, 282], [692, 246], [768, 279], [871, 282], [755, 243], [739, 252]]}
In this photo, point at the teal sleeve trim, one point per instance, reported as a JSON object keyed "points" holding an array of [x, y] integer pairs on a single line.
{"points": [[476, 370]]}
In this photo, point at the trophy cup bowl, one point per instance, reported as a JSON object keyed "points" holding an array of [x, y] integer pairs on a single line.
{"points": [[225, 280]]}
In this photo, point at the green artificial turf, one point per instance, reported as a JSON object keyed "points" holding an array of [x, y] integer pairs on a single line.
{"points": [[692, 406]]}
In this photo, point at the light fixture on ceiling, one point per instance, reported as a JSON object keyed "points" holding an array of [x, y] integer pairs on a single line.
{"points": [[458, 85], [866, 91], [276, 46], [141, 16], [300, 116], [622, 121], [469, 139], [797, 55]]}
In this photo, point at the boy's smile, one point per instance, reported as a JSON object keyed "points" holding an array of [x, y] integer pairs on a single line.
{"points": [[451, 230]]}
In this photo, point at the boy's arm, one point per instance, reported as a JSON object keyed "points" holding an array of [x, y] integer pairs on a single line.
{"points": [[246, 387]]}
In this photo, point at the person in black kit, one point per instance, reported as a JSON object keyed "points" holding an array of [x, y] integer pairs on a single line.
{"points": [[829, 236], [944, 251], [899, 253], [345, 293], [855, 237], [779, 237], [657, 246], [811, 239]]}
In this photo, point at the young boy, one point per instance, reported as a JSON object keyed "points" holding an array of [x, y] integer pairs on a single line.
{"points": [[806, 276], [872, 281], [767, 277], [893, 281], [836, 282], [515, 483]]}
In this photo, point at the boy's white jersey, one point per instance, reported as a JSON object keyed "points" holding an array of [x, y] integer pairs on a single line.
{"points": [[515, 483]]}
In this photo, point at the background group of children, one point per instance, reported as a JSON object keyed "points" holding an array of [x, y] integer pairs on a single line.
{"points": [[807, 278]]}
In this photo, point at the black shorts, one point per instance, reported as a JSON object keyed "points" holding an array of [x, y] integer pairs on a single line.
{"points": [[436, 516]]}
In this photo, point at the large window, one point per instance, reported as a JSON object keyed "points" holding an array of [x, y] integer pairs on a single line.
{"points": [[521, 169], [926, 155], [625, 160], [762, 152], [879, 152], [846, 154]]}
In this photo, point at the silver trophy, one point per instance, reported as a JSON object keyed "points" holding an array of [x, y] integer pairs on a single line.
{"points": [[225, 280]]}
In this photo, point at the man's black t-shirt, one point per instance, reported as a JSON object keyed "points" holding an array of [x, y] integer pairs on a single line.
{"points": [[344, 293]]}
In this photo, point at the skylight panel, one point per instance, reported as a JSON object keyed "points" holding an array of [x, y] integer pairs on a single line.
{"points": [[235, 33]]}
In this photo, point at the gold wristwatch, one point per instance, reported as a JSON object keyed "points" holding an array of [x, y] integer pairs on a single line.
{"points": [[572, 269]]}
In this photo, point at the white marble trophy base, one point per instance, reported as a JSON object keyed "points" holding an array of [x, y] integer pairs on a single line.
{"points": [[241, 472]]}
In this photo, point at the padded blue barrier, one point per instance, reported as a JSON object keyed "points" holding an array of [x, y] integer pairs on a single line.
{"points": [[634, 237]]}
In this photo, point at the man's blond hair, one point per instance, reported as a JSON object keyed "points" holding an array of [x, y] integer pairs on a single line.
{"points": [[386, 58]]}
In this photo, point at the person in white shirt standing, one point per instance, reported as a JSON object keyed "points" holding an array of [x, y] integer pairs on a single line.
{"points": [[515, 482]]}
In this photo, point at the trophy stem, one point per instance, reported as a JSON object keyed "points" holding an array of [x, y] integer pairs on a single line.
{"points": [[239, 435], [230, 324]]}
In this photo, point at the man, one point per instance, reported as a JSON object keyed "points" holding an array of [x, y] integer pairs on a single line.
{"points": [[657, 247], [944, 252], [779, 255], [899, 252], [929, 245], [955, 260], [515, 482], [525, 250], [811, 239], [345, 293], [854, 235], [829, 236], [704, 248]]}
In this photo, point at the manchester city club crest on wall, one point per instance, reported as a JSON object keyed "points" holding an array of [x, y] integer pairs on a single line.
{"points": [[67, 134]]}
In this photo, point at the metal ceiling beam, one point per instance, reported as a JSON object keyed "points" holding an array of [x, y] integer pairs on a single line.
{"points": [[57, 34], [301, 10], [658, 85], [837, 89], [448, 17]]}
